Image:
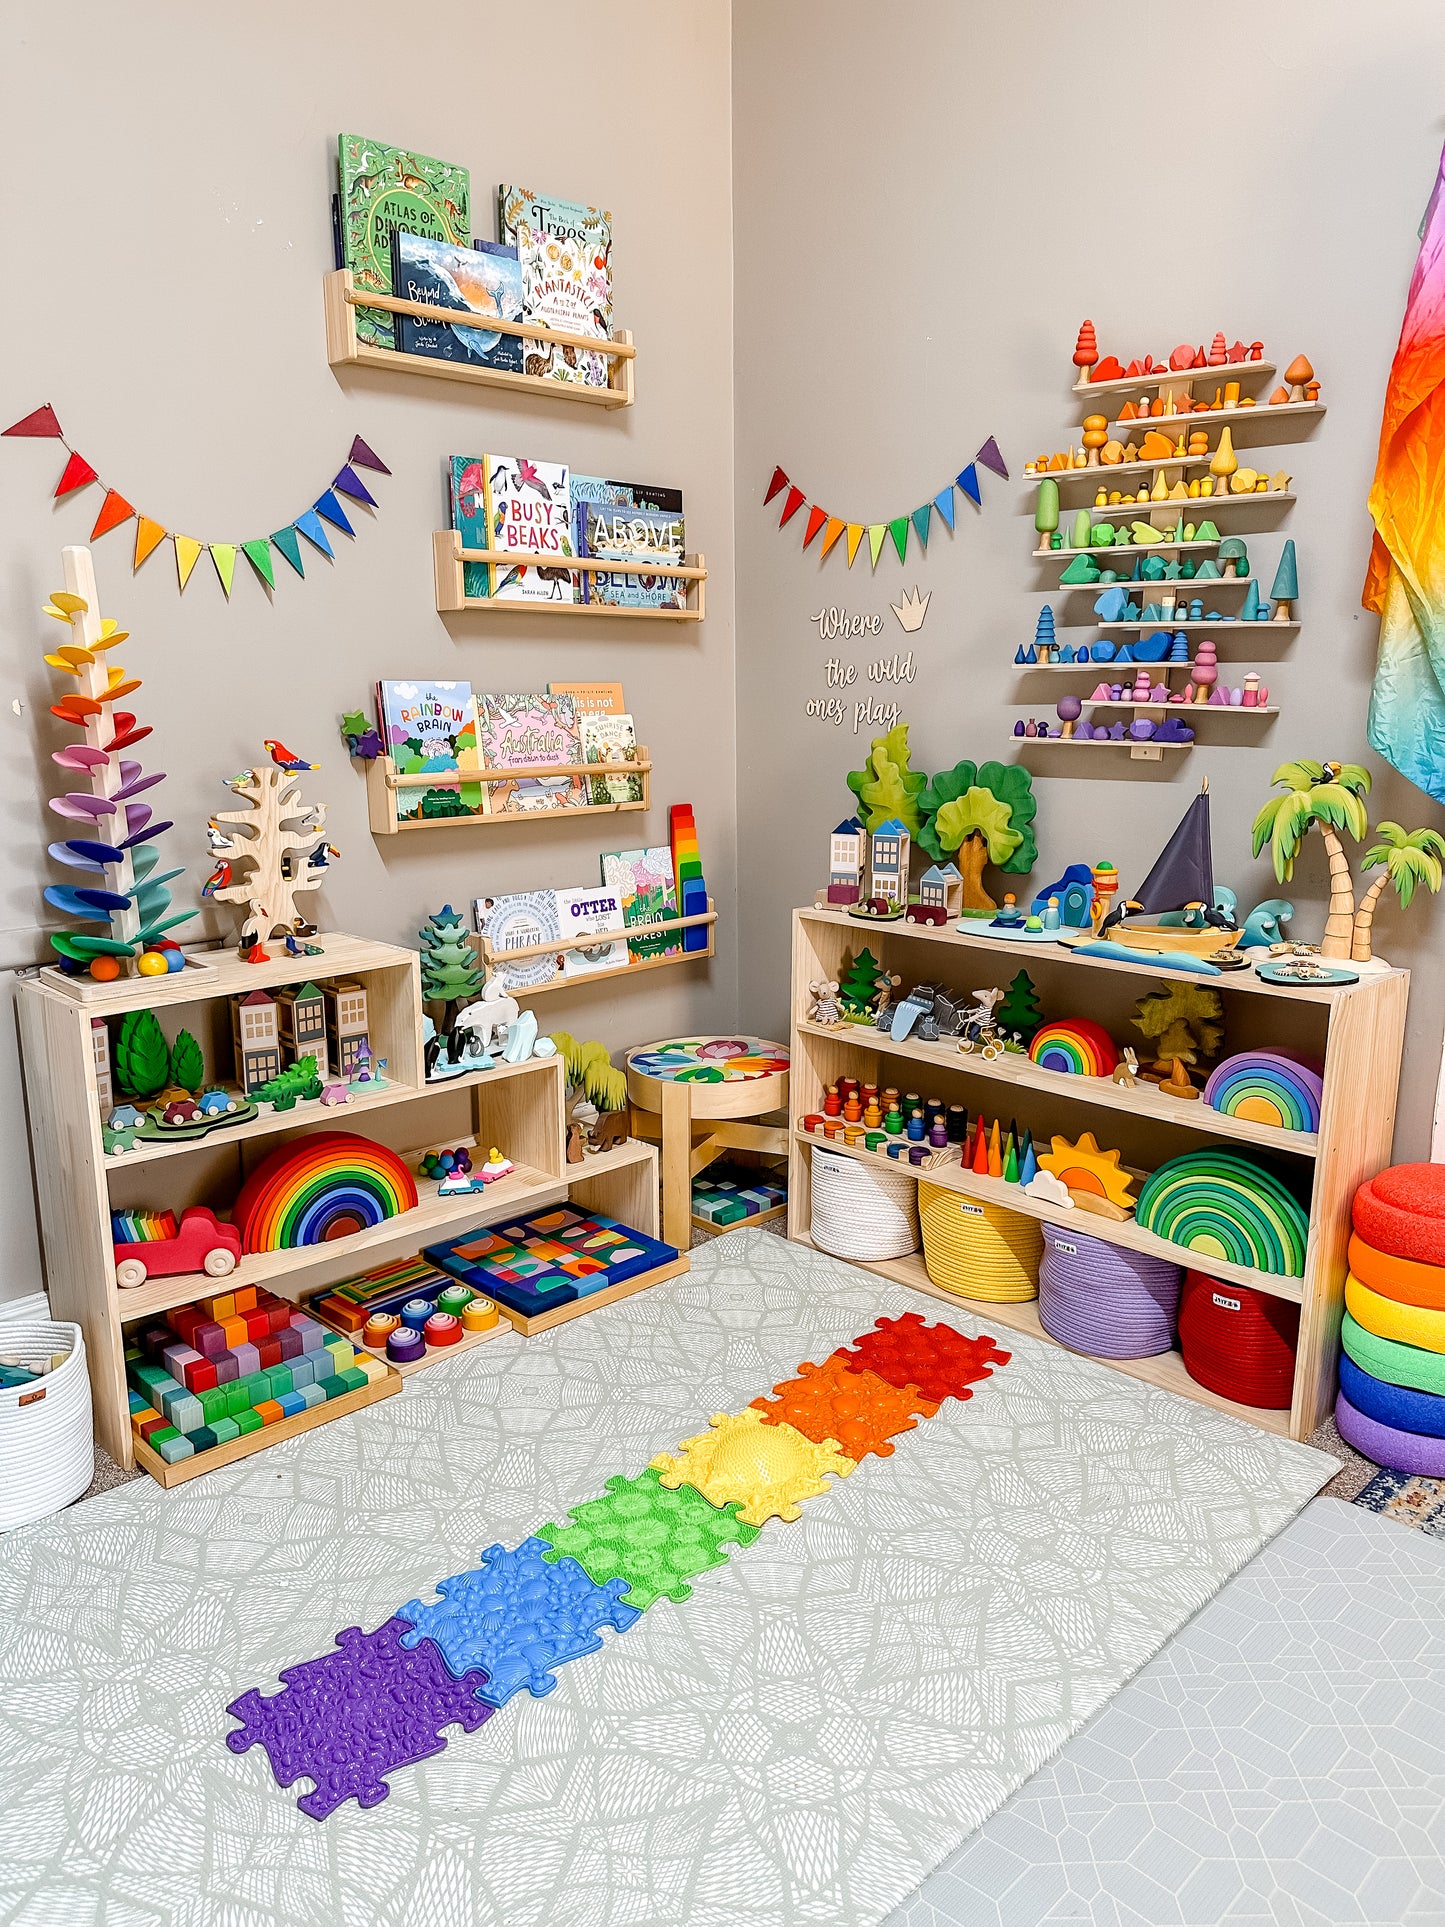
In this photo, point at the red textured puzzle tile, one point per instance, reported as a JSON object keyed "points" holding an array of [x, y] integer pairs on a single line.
{"points": [[938, 1360], [860, 1410]]}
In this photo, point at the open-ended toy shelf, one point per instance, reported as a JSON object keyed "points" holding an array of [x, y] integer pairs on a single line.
{"points": [[1281, 421], [518, 1107], [495, 959], [449, 557], [344, 349], [1175, 379], [1182, 710], [1191, 505], [384, 783], [1355, 1030]]}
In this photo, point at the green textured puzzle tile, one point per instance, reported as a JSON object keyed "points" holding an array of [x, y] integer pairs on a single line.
{"points": [[653, 1538]]}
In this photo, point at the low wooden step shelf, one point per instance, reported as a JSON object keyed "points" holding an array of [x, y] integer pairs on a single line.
{"points": [[448, 556], [384, 783], [494, 958], [344, 349]]}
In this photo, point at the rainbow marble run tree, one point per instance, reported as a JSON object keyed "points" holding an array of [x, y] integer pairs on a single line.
{"points": [[269, 854], [129, 898]]}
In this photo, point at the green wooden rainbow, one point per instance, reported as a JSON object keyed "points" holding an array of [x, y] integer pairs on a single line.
{"points": [[1222, 1204]]}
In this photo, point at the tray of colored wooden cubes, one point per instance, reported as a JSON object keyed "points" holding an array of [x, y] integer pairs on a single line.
{"points": [[409, 1312], [218, 1379], [728, 1194]]}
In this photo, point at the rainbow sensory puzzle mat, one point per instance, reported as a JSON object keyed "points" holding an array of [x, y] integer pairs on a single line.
{"points": [[352, 1717], [549, 1258]]}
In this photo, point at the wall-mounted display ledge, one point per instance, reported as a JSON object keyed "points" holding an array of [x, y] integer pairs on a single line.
{"points": [[1134, 511], [384, 782], [448, 556], [1258, 427], [1174, 379], [345, 350], [667, 926]]}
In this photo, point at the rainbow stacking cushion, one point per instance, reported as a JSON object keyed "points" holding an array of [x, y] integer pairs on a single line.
{"points": [[1400, 1451], [1397, 1364], [1402, 1278], [1238, 1342], [1402, 1211], [1388, 1318], [1267, 1087], [1223, 1204], [1390, 1404], [1077, 1046]]}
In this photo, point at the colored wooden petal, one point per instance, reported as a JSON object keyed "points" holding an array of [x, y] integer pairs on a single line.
{"points": [[63, 605], [100, 853], [79, 756], [794, 502], [775, 487], [286, 541], [968, 482], [148, 537], [364, 458], [991, 458], [816, 518], [78, 473], [83, 948], [70, 855], [71, 668], [126, 732], [855, 536], [943, 502], [830, 535], [114, 510], [139, 783], [350, 483], [921, 518], [82, 809], [898, 529], [328, 506], [145, 835], [310, 526], [876, 533], [70, 903], [75, 709], [223, 554], [41, 422], [137, 815], [115, 690], [188, 552], [258, 554]]}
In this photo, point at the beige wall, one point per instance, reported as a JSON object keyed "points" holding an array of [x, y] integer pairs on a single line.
{"points": [[165, 244], [930, 198]]}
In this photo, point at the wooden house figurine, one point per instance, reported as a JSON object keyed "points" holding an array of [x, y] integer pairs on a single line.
{"points": [[302, 1013], [100, 1057], [256, 1039], [941, 888], [347, 1026], [890, 861], [847, 854]]}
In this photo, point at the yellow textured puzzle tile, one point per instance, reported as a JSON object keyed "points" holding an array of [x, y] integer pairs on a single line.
{"points": [[768, 1469]]}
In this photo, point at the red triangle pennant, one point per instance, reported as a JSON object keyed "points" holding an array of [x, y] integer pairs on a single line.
{"points": [[364, 458], [42, 422], [816, 518], [78, 473], [795, 501], [778, 483], [114, 510]]}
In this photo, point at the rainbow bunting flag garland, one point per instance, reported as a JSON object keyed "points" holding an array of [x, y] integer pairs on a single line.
{"points": [[321, 1187], [312, 523], [1269, 1088], [832, 528], [1222, 1204]]}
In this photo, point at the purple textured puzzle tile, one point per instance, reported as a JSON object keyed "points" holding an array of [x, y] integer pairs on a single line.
{"points": [[348, 1719]]}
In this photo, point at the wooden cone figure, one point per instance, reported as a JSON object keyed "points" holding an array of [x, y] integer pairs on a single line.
{"points": [[273, 842]]}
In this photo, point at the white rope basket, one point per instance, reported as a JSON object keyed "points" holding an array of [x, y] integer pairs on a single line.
{"points": [[859, 1212], [46, 1458]]}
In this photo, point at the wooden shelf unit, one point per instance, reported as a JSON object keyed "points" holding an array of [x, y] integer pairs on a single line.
{"points": [[706, 919], [344, 349], [1358, 1031], [517, 1106], [1175, 379], [1286, 421], [1197, 508], [383, 782], [448, 558]]}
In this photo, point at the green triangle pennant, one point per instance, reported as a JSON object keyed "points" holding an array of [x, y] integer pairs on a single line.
{"points": [[898, 529], [876, 533], [258, 554], [223, 554], [289, 543], [920, 522]]}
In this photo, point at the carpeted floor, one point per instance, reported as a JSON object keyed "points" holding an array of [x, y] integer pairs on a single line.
{"points": [[802, 1741]]}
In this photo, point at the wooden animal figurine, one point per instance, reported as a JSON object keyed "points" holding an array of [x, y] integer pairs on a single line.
{"points": [[1126, 1071], [823, 1002], [482, 1026], [612, 1128]]}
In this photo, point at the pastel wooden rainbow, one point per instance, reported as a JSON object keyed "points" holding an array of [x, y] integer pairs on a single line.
{"points": [[1268, 1088], [319, 1188], [1076, 1046], [1221, 1204]]}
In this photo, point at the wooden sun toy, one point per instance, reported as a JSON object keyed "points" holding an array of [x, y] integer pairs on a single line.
{"points": [[1093, 1178]]}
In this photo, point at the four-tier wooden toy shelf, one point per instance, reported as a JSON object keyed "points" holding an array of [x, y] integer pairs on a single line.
{"points": [[1357, 1031]]}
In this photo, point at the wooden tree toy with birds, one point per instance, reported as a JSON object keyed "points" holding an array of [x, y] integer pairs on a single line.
{"points": [[128, 897], [280, 844]]}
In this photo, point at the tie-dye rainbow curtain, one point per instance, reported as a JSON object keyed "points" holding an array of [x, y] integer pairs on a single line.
{"points": [[1405, 584]]}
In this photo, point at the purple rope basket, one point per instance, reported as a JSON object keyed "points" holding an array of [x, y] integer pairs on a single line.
{"points": [[1103, 1300]]}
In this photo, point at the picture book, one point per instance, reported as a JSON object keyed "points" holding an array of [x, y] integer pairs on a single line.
{"points": [[384, 188], [643, 880], [514, 923], [430, 726], [485, 280], [565, 250], [529, 514], [628, 495], [591, 698], [621, 533], [468, 495], [536, 732], [582, 912], [612, 740]]}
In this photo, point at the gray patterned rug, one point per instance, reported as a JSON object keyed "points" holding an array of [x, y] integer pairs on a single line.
{"points": [[802, 1741]]}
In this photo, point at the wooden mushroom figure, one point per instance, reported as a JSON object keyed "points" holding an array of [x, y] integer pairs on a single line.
{"points": [[1297, 375]]}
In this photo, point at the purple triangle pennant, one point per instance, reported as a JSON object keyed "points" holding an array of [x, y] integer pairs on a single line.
{"points": [[350, 483], [991, 458], [363, 457], [968, 482], [335, 514]]}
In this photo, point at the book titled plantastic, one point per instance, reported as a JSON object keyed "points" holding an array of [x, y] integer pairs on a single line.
{"points": [[485, 280], [384, 188], [565, 249]]}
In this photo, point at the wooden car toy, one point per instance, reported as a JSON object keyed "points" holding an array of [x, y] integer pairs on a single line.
{"points": [[202, 1243]]}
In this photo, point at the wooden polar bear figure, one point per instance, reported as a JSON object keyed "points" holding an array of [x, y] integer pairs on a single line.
{"points": [[482, 1026]]}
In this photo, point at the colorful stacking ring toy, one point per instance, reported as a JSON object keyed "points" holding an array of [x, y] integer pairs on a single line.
{"points": [[1222, 1204], [1267, 1087], [1394, 1405], [1388, 1318], [1099, 1299], [442, 1329], [416, 1311], [405, 1345], [479, 1316], [1401, 1451], [1395, 1363], [379, 1328], [455, 1299], [1402, 1211], [1402, 1278], [1077, 1046], [1238, 1342]]}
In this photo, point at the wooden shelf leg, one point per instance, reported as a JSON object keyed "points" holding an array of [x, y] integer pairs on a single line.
{"points": [[677, 1163]]}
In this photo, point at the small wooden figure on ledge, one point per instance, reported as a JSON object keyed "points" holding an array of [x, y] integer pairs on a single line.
{"points": [[268, 854]]}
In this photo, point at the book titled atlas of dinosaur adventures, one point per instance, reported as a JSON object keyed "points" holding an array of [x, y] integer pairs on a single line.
{"points": [[385, 188]]}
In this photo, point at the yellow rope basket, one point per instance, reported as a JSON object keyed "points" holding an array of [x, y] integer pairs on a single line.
{"points": [[979, 1250]]}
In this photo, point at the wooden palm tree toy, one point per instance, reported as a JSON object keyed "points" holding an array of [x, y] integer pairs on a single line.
{"points": [[1329, 795], [273, 851], [128, 898], [1406, 859]]}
